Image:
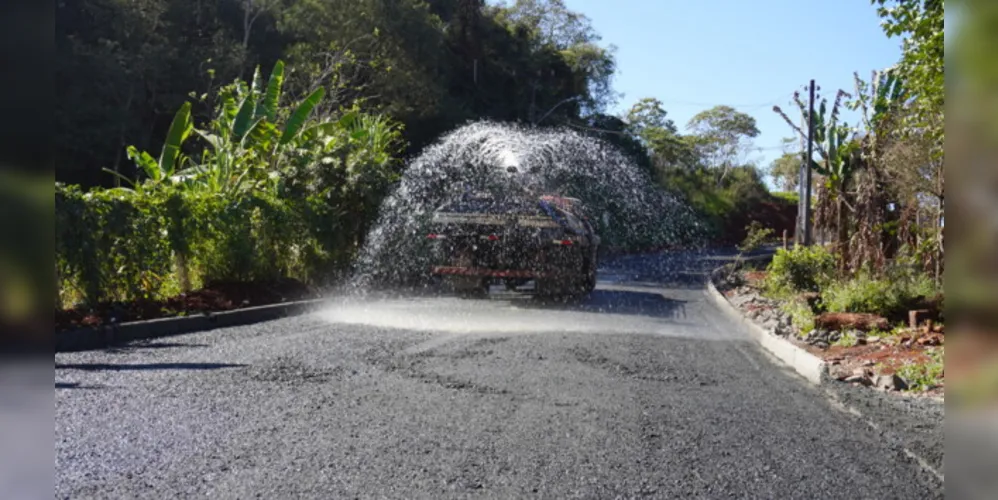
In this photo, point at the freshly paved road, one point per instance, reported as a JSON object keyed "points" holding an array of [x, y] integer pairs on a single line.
{"points": [[643, 390]]}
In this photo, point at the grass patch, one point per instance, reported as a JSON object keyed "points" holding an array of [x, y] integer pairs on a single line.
{"points": [[800, 269], [923, 376], [789, 196], [848, 339], [800, 314], [890, 296]]}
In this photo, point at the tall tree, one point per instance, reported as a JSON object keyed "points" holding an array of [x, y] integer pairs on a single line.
{"points": [[920, 25], [648, 120], [552, 26], [785, 170], [723, 137]]}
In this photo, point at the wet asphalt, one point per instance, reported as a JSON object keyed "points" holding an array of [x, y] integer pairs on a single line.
{"points": [[642, 390]]}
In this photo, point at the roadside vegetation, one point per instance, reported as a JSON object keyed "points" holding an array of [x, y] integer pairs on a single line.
{"points": [[208, 145], [246, 203], [877, 262], [207, 148]]}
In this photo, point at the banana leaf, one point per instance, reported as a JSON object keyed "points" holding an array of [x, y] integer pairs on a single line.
{"points": [[244, 118], [297, 120], [145, 161], [180, 129], [268, 108]]}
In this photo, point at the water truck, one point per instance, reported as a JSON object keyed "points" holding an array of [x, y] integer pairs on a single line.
{"points": [[480, 239]]}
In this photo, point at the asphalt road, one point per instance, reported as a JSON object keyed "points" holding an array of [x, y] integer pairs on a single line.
{"points": [[642, 390]]}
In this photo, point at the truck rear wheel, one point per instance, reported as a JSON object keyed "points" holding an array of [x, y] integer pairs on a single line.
{"points": [[550, 288], [467, 287], [590, 282]]}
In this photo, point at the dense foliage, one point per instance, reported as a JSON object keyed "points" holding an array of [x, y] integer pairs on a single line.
{"points": [[879, 192], [125, 67], [116, 245], [879, 183], [800, 269], [169, 113], [270, 189]]}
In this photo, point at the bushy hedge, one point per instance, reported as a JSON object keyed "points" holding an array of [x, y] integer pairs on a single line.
{"points": [[117, 244], [890, 296], [800, 269], [891, 293]]}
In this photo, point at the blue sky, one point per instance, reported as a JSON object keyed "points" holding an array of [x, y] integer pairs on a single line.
{"points": [[694, 54]]}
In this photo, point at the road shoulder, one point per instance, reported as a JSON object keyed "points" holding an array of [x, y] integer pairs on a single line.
{"points": [[910, 423]]}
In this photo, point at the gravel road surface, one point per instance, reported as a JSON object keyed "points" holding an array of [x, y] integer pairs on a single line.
{"points": [[641, 390]]}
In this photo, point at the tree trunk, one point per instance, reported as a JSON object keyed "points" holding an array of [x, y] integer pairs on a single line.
{"points": [[940, 223], [58, 289], [843, 230], [183, 273]]}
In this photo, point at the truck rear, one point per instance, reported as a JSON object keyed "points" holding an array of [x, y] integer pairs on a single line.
{"points": [[479, 240]]}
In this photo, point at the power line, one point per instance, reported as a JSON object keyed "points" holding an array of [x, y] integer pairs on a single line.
{"points": [[771, 102]]}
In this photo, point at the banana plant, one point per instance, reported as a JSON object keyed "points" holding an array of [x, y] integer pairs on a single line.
{"points": [[171, 158], [878, 101], [252, 143], [832, 140], [879, 98], [839, 162], [245, 141]]}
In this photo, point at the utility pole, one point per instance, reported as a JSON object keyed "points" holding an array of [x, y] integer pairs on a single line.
{"points": [[799, 223], [808, 240]]}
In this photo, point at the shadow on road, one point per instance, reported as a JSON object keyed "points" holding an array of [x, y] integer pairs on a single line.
{"points": [[615, 302], [74, 385], [142, 345], [144, 366], [678, 270]]}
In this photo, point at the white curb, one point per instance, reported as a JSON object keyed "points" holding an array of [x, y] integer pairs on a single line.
{"points": [[811, 367]]}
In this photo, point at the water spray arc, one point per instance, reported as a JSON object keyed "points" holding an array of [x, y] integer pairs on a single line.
{"points": [[520, 161]]}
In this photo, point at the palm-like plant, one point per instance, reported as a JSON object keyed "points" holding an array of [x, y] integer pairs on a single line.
{"points": [[161, 170], [245, 140], [837, 148]]}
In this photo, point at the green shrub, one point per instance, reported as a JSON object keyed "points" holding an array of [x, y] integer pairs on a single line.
{"points": [[110, 245], [791, 197], [274, 191], [889, 296], [756, 235], [848, 339], [119, 245], [800, 314], [921, 377], [800, 269]]}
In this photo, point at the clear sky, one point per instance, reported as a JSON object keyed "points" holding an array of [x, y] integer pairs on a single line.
{"points": [[749, 54]]}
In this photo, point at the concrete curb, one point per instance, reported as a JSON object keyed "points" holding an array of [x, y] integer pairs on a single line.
{"points": [[811, 367], [84, 339]]}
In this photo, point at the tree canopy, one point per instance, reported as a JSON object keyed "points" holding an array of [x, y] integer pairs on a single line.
{"points": [[125, 67], [919, 23]]}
